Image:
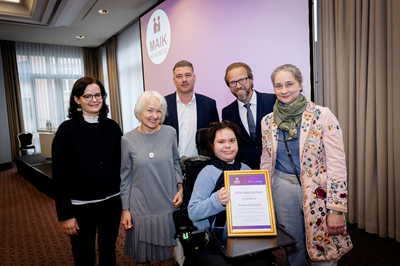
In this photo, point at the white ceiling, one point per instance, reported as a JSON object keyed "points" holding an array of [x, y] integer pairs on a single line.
{"points": [[60, 21]]}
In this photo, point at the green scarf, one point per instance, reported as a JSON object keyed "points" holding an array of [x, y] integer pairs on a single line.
{"points": [[288, 118]]}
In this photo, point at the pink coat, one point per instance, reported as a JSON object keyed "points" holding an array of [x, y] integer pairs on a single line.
{"points": [[323, 176]]}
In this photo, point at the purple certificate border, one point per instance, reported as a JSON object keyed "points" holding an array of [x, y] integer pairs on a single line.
{"points": [[248, 180], [264, 227]]}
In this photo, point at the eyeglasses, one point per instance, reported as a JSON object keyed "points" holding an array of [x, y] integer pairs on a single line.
{"points": [[241, 82], [89, 97]]}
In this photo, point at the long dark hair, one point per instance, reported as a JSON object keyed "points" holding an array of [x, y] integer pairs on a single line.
{"points": [[217, 126], [78, 90]]}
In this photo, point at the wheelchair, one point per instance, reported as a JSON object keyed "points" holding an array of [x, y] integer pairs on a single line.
{"points": [[192, 239]]}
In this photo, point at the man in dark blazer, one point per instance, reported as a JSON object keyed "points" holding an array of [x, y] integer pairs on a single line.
{"points": [[188, 111], [239, 78]]}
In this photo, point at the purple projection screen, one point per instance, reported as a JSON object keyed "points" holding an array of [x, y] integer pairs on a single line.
{"points": [[212, 34]]}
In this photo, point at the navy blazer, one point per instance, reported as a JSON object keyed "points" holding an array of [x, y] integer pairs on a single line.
{"points": [[206, 112], [250, 151]]}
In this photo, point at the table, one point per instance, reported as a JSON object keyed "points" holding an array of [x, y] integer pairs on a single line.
{"points": [[234, 247], [53, 130]]}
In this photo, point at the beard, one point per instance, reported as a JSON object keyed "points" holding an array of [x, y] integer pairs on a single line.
{"points": [[241, 98]]}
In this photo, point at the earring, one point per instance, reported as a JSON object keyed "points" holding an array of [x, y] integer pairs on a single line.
{"points": [[79, 108]]}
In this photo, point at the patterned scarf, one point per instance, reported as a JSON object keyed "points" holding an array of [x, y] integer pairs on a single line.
{"points": [[288, 118], [221, 165]]}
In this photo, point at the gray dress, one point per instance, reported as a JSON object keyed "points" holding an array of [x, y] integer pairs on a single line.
{"points": [[148, 187]]}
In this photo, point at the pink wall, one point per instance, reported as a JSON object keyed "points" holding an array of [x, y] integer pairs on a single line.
{"points": [[215, 33]]}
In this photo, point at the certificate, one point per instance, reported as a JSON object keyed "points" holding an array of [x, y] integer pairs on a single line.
{"points": [[250, 211]]}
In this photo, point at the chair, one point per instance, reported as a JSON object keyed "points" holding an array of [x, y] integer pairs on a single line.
{"points": [[25, 142], [201, 141], [194, 164], [191, 239]]}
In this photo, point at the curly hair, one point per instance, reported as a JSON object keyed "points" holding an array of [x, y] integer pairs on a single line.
{"points": [[217, 126], [78, 90]]}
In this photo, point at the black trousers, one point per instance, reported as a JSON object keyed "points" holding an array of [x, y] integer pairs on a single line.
{"points": [[103, 217]]}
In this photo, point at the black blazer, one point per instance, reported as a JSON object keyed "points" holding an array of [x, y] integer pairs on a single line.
{"points": [[206, 112], [86, 161], [250, 151]]}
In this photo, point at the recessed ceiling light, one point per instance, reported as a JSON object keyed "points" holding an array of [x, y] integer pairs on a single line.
{"points": [[13, 1], [103, 11], [80, 37]]}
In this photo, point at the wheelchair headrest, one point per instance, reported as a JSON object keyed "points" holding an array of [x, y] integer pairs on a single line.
{"points": [[201, 141]]}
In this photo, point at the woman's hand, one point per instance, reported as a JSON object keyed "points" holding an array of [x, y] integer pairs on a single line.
{"points": [[223, 196], [335, 223], [178, 199], [70, 227], [126, 219]]}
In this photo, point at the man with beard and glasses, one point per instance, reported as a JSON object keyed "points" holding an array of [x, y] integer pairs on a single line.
{"points": [[251, 106], [188, 111]]}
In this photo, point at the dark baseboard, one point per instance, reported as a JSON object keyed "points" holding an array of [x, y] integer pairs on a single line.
{"points": [[6, 166]]}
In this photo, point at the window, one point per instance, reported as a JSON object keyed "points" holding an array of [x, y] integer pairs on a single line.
{"points": [[46, 75], [129, 59]]}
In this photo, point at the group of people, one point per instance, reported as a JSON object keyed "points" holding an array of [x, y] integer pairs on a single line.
{"points": [[100, 174]]}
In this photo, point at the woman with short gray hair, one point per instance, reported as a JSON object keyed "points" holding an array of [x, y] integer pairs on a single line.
{"points": [[304, 152], [151, 183]]}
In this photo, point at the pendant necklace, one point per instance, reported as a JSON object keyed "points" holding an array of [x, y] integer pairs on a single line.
{"points": [[151, 154]]}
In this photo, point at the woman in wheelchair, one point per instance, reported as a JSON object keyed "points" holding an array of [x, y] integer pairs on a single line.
{"points": [[209, 196]]}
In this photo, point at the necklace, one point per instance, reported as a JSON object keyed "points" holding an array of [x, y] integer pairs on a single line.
{"points": [[151, 154]]}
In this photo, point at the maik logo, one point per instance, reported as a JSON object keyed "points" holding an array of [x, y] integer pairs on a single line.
{"points": [[158, 36]]}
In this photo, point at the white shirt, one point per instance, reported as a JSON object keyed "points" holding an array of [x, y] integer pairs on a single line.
{"points": [[243, 111], [187, 120]]}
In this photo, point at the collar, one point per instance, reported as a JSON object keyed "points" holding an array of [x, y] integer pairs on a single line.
{"points": [[253, 100], [178, 100], [90, 119]]}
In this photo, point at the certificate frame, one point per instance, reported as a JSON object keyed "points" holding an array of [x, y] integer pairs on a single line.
{"points": [[250, 212]]}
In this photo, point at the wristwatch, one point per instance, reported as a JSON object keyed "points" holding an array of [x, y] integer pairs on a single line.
{"points": [[335, 212]]}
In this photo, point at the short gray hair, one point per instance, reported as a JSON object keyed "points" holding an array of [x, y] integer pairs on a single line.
{"points": [[144, 98], [289, 68]]}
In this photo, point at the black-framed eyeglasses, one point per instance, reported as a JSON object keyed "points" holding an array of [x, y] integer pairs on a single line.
{"points": [[241, 81], [89, 97]]}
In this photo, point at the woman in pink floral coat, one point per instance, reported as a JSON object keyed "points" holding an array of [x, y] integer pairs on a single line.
{"points": [[309, 188]]}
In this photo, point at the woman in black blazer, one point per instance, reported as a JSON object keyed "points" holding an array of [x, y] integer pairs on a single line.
{"points": [[86, 154]]}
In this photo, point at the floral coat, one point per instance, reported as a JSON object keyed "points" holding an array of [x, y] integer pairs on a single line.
{"points": [[323, 177]]}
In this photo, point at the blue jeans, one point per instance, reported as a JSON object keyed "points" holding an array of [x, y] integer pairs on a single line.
{"points": [[288, 205]]}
